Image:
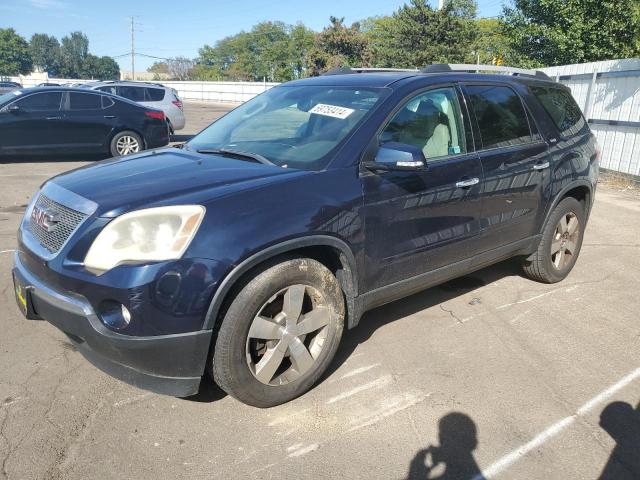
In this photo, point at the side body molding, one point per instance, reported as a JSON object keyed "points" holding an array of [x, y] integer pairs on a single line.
{"points": [[351, 277]]}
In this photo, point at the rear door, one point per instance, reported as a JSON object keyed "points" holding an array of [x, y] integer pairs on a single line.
{"points": [[515, 164], [88, 124], [36, 124]]}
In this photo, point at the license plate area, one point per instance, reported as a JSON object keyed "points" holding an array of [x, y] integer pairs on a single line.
{"points": [[23, 298]]}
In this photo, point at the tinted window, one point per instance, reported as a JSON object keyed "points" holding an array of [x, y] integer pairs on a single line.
{"points": [[431, 121], [132, 93], [84, 101], [41, 102], [562, 109], [107, 102], [500, 115], [111, 89], [154, 94]]}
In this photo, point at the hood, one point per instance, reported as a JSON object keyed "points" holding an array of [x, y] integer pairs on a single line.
{"points": [[164, 177]]}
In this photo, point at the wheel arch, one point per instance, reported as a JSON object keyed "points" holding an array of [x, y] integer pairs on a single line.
{"points": [[332, 252], [581, 190]]}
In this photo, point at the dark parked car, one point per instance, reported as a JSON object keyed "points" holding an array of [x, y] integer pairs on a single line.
{"points": [[247, 251], [54, 120], [6, 87]]}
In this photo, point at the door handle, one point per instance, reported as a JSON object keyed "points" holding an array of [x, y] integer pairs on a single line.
{"points": [[541, 166], [53, 118], [109, 116], [467, 183]]}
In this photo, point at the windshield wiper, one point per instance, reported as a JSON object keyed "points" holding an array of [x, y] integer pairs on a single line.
{"points": [[237, 153]]}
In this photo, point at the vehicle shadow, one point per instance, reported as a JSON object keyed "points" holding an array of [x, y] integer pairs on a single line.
{"points": [[622, 423], [453, 458], [399, 309]]}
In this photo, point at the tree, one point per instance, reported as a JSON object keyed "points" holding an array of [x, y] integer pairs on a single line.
{"points": [[14, 53], [158, 68], [180, 68], [417, 35], [45, 52], [557, 32], [73, 53], [338, 46], [100, 68]]}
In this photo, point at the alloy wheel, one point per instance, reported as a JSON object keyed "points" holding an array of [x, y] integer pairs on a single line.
{"points": [[565, 241], [287, 335], [127, 144]]}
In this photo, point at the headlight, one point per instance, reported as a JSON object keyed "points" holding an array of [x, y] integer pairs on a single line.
{"points": [[153, 234]]}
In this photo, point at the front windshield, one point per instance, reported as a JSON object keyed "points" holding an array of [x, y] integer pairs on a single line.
{"points": [[295, 127], [9, 96]]}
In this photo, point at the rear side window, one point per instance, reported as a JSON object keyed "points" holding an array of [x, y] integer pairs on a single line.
{"points": [[111, 89], [154, 94], [132, 93], [500, 114], [41, 102], [84, 101], [562, 109]]}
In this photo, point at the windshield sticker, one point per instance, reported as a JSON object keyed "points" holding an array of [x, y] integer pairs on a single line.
{"points": [[332, 111]]}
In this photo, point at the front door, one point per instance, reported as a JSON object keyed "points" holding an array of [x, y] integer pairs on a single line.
{"points": [[417, 221], [515, 164], [32, 124]]}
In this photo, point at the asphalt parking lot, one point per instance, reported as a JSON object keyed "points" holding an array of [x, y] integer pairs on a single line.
{"points": [[491, 374]]}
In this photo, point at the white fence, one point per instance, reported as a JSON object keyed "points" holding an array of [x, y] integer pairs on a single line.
{"points": [[609, 95], [235, 92]]}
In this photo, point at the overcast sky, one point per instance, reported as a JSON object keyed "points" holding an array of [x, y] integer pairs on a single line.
{"points": [[169, 29]]}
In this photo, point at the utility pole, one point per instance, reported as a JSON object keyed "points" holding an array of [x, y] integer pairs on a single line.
{"points": [[133, 52]]}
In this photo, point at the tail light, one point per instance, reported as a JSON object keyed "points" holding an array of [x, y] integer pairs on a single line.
{"points": [[178, 104], [156, 115]]}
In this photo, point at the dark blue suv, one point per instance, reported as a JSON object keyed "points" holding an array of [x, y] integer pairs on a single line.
{"points": [[245, 252]]}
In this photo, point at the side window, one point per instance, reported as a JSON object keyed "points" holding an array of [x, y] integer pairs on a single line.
{"points": [[153, 94], [132, 93], [431, 121], [85, 101], [111, 89], [500, 114], [107, 102], [41, 102], [562, 109]]}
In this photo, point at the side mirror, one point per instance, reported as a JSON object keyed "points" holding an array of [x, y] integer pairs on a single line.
{"points": [[398, 156], [13, 109]]}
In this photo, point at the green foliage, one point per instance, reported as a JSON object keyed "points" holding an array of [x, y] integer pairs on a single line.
{"points": [[14, 53], [45, 52], [271, 50], [557, 32], [73, 53], [99, 68], [159, 68], [338, 46]]}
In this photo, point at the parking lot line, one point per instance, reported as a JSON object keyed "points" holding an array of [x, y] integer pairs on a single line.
{"points": [[509, 459]]}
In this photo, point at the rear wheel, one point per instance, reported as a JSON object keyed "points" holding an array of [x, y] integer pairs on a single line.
{"points": [[125, 143], [279, 334], [560, 245]]}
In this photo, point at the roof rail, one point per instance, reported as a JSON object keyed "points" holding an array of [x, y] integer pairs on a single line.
{"points": [[350, 70], [462, 67]]}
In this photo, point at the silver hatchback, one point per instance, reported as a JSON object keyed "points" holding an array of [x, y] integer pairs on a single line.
{"points": [[153, 95]]}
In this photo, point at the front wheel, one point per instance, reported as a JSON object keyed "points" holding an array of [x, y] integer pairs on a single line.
{"points": [[280, 333], [125, 143], [560, 245]]}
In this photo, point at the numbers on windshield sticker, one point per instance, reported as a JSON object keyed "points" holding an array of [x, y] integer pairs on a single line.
{"points": [[332, 111]]}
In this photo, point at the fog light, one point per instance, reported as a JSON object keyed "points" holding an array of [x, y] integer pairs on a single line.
{"points": [[114, 314]]}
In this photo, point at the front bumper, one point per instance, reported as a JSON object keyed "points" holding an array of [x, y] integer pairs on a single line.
{"points": [[168, 364]]}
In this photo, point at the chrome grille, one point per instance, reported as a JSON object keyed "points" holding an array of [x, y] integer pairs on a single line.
{"points": [[69, 220]]}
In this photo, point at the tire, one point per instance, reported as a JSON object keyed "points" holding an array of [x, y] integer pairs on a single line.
{"points": [[125, 143], [560, 245], [260, 310]]}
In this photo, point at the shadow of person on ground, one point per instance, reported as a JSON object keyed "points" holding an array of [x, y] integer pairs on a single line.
{"points": [[622, 422], [453, 458]]}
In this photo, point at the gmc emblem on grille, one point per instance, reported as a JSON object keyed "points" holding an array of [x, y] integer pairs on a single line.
{"points": [[45, 218]]}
